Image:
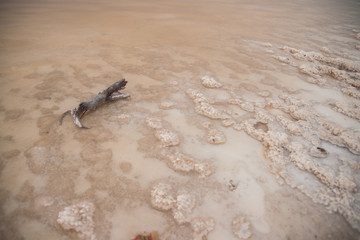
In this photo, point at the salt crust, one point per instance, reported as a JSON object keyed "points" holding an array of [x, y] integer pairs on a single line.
{"points": [[162, 197], [167, 137], [184, 163], [176, 160], [79, 217], [241, 227], [210, 82], [246, 106], [351, 91], [228, 122], [203, 106], [202, 227], [351, 110], [282, 59], [335, 187], [343, 70], [182, 205]]}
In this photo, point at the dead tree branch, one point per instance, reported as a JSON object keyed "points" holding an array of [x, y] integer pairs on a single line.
{"points": [[110, 94]]}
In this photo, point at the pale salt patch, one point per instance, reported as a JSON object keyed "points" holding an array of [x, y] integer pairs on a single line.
{"points": [[210, 82], [79, 217], [167, 105], [124, 116], [153, 122], [167, 137], [241, 227]]}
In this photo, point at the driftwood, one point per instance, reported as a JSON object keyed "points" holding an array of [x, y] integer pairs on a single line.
{"points": [[110, 94]]}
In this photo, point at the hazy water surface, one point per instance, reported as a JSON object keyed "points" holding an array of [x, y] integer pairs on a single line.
{"points": [[243, 121]]}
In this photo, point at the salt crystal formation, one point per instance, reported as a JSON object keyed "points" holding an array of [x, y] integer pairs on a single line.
{"points": [[183, 208], [342, 70], [295, 136], [182, 205], [203, 106], [162, 197], [184, 163], [79, 217], [176, 160], [167, 137], [210, 82], [202, 227], [241, 228]]}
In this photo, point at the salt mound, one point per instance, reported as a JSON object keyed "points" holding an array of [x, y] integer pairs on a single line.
{"points": [[203, 106], [79, 217], [181, 162], [161, 196], [203, 169], [241, 228], [202, 227], [210, 82], [167, 137], [40, 158], [184, 206], [184, 163]]}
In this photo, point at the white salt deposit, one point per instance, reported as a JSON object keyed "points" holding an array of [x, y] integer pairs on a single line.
{"points": [[167, 137], [79, 217], [210, 82]]}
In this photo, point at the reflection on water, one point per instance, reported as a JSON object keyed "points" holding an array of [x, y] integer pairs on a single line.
{"points": [[243, 120]]}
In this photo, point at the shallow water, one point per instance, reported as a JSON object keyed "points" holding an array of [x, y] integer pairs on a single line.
{"points": [[271, 140]]}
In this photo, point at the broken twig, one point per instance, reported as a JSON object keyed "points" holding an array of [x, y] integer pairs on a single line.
{"points": [[110, 94]]}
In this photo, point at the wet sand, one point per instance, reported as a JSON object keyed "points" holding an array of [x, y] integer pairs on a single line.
{"points": [[243, 121]]}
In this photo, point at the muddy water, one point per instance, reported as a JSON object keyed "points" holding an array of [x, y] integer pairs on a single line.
{"points": [[246, 111]]}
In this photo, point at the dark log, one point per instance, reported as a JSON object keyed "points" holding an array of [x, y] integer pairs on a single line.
{"points": [[110, 94]]}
